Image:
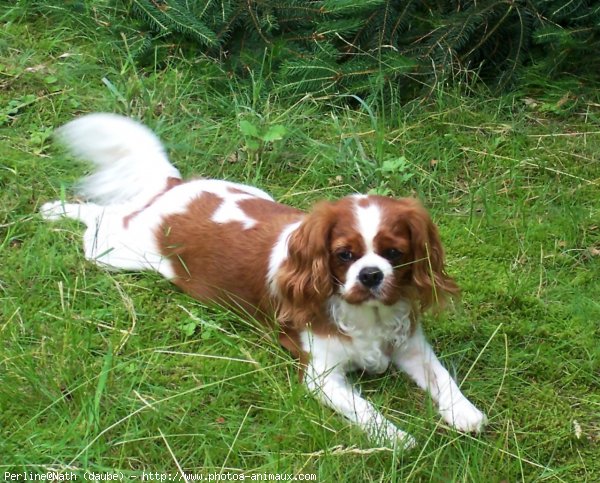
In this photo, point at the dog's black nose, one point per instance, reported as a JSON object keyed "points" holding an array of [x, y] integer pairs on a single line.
{"points": [[370, 277]]}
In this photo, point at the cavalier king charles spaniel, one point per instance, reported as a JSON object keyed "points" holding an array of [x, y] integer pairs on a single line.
{"points": [[345, 284]]}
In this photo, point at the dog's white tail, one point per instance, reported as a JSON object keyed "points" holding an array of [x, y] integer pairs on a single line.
{"points": [[131, 163]]}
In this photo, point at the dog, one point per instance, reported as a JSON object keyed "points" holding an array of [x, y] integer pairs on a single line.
{"points": [[344, 285]]}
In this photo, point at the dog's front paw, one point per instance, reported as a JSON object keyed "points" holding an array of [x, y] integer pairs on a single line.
{"points": [[464, 417]]}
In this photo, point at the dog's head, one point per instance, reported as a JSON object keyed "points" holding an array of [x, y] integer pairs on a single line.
{"points": [[366, 250]]}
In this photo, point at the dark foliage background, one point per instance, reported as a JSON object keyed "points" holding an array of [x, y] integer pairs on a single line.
{"points": [[357, 46]]}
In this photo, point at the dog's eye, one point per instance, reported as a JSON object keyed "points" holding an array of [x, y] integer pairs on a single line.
{"points": [[345, 255], [392, 254]]}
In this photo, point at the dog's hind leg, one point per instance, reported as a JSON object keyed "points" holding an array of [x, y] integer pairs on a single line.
{"points": [[108, 240], [87, 213], [94, 216]]}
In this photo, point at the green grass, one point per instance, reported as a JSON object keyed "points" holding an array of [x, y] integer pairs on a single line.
{"points": [[105, 371]]}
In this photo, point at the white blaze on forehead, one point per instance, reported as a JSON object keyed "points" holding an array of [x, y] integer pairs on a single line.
{"points": [[368, 220]]}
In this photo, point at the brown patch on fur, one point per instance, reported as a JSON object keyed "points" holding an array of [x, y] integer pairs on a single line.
{"points": [[223, 262], [171, 183], [265, 211]]}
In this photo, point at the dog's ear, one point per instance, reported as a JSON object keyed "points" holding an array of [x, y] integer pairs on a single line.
{"points": [[433, 285], [304, 279]]}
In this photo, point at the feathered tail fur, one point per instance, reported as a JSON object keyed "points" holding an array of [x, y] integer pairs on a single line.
{"points": [[130, 161]]}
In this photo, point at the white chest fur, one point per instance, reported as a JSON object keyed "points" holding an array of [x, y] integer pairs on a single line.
{"points": [[375, 332]]}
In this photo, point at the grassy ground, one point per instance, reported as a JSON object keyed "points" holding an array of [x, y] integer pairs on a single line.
{"points": [[105, 371]]}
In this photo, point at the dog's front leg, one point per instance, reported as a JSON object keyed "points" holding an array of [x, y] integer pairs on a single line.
{"points": [[417, 359], [325, 377]]}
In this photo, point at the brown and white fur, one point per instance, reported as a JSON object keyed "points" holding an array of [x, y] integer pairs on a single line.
{"points": [[346, 283]]}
